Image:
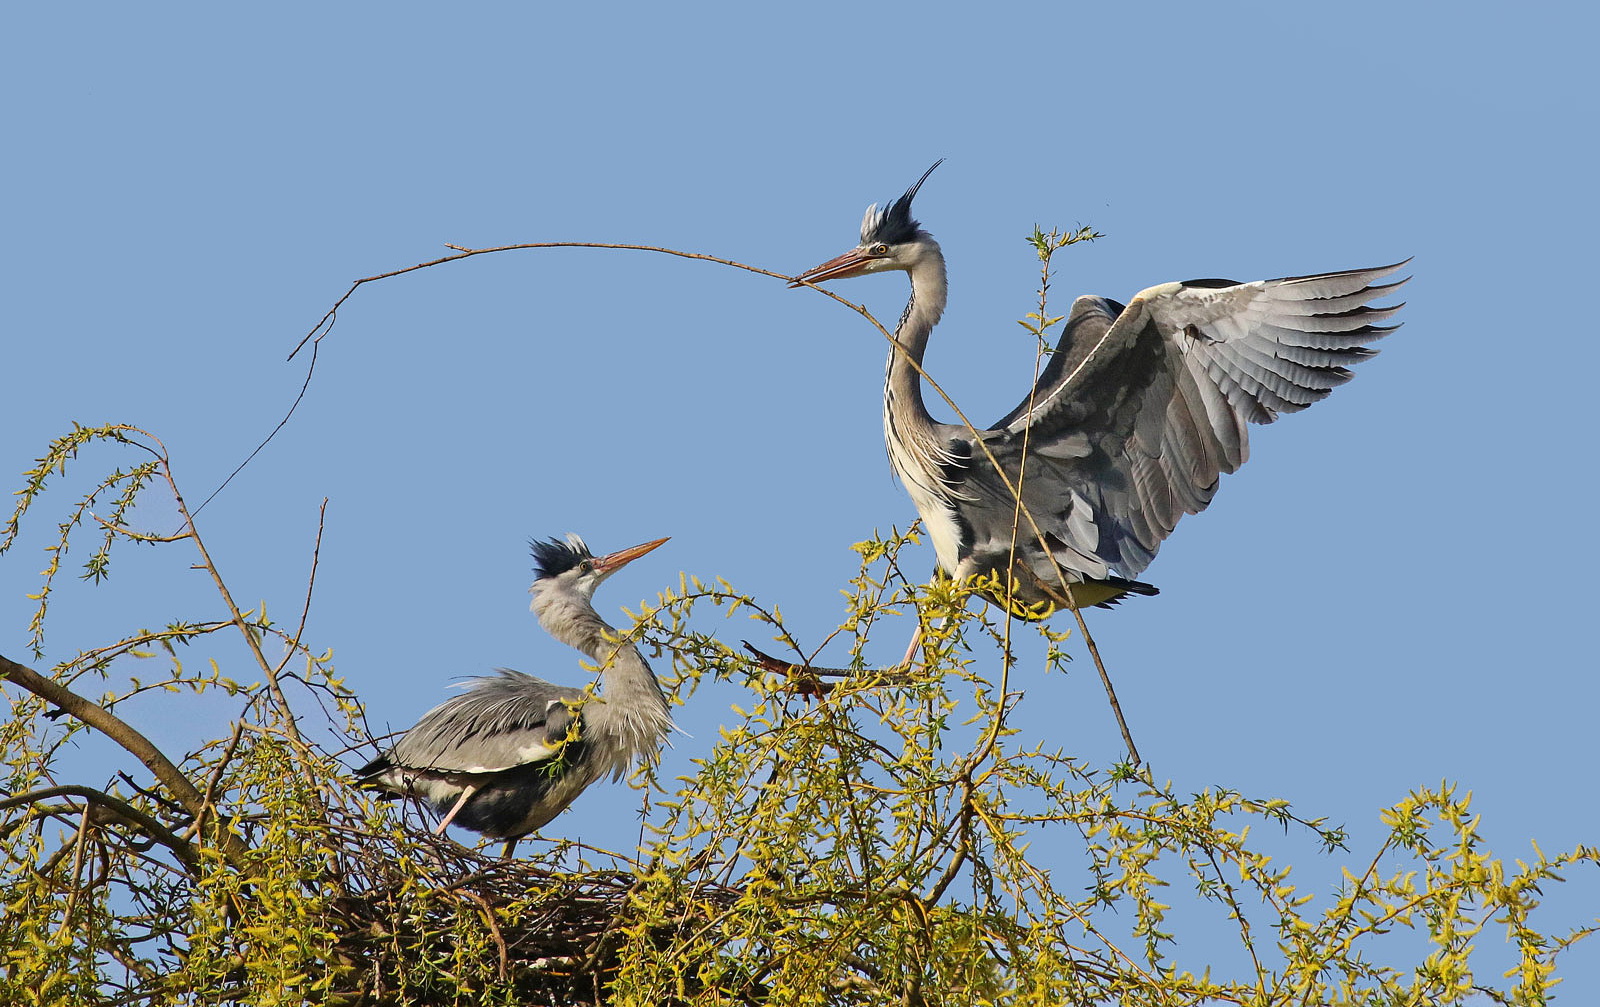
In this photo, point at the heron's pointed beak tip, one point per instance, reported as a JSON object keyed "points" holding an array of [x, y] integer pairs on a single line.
{"points": [[840, 267], [622, 557]]}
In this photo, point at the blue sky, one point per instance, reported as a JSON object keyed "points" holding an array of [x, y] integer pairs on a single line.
{"points": [[1396, 590]]}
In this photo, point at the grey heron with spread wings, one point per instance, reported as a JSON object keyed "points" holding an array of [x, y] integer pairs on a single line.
{"points": [[513, 751], [1140, 410]]}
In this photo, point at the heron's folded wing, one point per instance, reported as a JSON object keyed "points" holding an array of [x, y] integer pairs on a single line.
{"points": [[500, 722]]}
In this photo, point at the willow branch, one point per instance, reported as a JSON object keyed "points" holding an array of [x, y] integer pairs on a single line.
{"points": [[119, 731], [129, 814]]}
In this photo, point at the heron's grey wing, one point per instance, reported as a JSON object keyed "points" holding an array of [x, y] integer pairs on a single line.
{"points": [[1143, 407], [501, 722]]}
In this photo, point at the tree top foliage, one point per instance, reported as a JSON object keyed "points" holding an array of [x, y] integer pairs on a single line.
{"points": [[871, 838]]}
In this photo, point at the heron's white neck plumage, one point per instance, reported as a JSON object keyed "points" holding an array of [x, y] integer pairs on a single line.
{"points": [[917, 451], [632, 707], [929, 291]]}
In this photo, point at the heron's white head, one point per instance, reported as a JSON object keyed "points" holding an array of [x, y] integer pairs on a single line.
{"points": [[891, 240], [566, 574]]}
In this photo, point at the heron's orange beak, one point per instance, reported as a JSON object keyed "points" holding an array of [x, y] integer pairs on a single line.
{"points": [[614, 561], [846, 265]]}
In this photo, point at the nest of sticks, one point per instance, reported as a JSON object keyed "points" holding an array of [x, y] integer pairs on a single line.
{"points": [[446, 918]]}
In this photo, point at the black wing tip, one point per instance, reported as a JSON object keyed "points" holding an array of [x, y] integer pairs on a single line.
{"points": [[1374, 331], [1381, 270], [1384, 270]]}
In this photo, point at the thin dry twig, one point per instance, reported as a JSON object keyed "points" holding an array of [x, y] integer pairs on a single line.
{"points": [[1111, 692], [325, 324], [311, 583], [252, 641], [311, 368]]}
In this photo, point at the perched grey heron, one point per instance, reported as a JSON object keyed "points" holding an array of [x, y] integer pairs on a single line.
{"points": [[513, 751], [1140, 409]]}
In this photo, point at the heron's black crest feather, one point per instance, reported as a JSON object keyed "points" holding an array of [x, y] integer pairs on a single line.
{"points": [[556, 557], [895, 225]]}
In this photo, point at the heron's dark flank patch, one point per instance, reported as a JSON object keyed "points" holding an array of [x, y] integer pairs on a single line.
{"points": [[953, 471], [555, 557], [502, 806], [1211, 283]]}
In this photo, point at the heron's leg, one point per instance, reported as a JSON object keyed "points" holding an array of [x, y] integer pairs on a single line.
{"points": [[511, 844], [911, 651], [466, 793]]}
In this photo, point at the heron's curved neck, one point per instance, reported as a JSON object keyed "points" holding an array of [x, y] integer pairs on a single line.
{"points": [[634, 707], [902, 391], [629, 682]]}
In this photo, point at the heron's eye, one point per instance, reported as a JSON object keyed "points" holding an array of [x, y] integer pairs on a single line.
{"points": [[586, 566], [880, 249]]}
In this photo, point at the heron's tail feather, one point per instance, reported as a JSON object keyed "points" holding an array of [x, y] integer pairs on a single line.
{"points": [[1106, 592]]}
